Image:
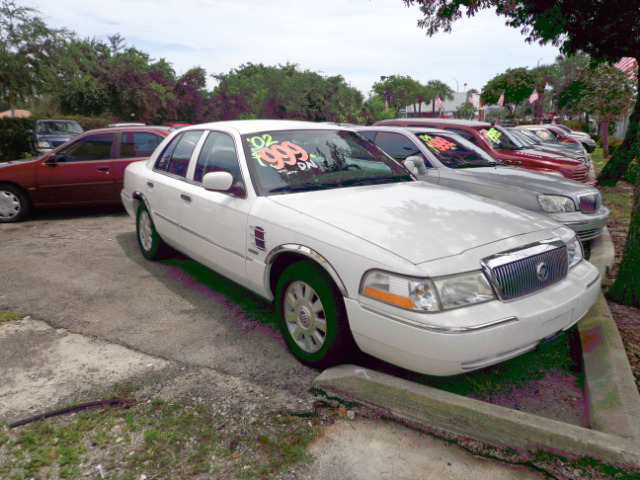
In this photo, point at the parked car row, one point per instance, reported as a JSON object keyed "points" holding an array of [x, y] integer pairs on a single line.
{"points": [[497, 142], [445, 158], [354, 251], [357, 252]]}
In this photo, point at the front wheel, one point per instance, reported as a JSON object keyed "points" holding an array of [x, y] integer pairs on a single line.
{"points": [[151, 244], [14, 204], [312, 316]]}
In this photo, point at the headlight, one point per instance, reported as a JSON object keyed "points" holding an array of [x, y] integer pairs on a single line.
{"points": [[44, 144], [556, 203], [427, 295], [574, 252]]}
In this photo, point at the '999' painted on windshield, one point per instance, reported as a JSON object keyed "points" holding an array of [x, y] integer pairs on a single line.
{"points": [[278, 154]]}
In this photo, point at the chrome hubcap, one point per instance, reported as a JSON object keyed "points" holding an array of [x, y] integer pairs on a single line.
{"points": [[9, 204], [305, 317], [145, 231]]}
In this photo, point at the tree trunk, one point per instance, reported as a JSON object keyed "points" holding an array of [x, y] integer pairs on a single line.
{"points": [[626, 288], [624, 155], [604, 129]]}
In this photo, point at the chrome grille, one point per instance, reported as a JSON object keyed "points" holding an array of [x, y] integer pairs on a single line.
{"points": [[521, 272], [586, 235], [581, 173]]}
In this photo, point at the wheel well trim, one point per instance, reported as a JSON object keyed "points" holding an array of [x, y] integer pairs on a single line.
{"points": [[311, 254], [139, 196]]}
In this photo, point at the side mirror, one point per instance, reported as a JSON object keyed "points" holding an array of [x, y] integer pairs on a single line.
{"points": [[51, 160], [218, 181], [415, 164], [30, 132]]}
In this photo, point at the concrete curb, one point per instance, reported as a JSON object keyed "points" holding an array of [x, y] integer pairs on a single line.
{"points": [[492, 424], [612, 396]]}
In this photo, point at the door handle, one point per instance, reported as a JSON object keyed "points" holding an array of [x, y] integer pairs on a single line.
{"points": [[150, 184], [185, 197], [103, 169]]}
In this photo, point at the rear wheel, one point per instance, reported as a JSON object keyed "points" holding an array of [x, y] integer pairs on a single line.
{"points": [[312, 316], [151, 244], [14, 204]]}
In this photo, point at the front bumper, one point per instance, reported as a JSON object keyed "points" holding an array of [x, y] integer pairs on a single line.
{"points": [[588, 226], [502, 330]]}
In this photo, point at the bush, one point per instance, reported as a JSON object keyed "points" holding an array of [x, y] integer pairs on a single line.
{"points": [[14, 141], [614, 144]]}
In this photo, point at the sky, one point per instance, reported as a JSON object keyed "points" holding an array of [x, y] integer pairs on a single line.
{"points": [[361, 40]]}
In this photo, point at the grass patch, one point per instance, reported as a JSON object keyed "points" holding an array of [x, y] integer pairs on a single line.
{"points": [[157, 439], [7, 315]]}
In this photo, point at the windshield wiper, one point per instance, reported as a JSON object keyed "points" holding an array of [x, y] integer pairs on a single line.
{"points": [[302, 187], [374, 180]]}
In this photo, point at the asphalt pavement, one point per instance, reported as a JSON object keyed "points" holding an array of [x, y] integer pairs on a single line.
{"points": [[417, 432]]}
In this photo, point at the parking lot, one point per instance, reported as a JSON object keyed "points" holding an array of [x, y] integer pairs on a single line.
{"points": [[81, 271]]}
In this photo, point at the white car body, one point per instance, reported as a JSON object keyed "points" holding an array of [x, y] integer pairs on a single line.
{"points": [[397, 231]]}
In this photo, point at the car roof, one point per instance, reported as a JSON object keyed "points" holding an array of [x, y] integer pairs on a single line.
{"points": [[142, 128], [392, 128], [244, 127], [440, 121]]}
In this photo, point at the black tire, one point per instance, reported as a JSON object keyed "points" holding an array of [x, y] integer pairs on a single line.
{"points": [[151, 244], [15, 205], [312, 317]]}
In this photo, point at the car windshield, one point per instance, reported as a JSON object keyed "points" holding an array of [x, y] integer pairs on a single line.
{"points": [[547, 136], [499, 139], [527, 140], [529, 135], [454, 151], [49, 127], [300, 160]]}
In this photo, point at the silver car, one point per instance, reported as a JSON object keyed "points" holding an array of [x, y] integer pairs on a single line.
{"points": [[445, 158]]}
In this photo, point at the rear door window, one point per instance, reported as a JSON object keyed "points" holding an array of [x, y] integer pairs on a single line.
{"points": [[174, 160]]}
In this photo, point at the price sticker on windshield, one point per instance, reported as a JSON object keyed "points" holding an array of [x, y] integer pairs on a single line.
{"points": [[438, 144], [278, 154], [492, 134]]}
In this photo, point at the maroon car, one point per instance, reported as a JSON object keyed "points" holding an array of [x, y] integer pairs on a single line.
{"points": [[87, 170], [497, 142]]}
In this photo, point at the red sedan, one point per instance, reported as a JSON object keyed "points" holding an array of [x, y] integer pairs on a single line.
{"points": [[86, 171]]}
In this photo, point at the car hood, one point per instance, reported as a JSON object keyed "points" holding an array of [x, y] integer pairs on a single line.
{"points": [[531, 153], [414, 220], [514, 178], [20, 161]]}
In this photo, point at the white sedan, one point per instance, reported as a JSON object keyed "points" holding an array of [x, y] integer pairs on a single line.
{"points": [[354, 251]]}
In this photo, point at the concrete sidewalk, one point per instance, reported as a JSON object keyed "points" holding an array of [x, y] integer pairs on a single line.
{"points": [[367, 449]]}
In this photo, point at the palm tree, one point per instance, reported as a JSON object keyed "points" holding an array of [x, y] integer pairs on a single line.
{"points": [[439, 89]]}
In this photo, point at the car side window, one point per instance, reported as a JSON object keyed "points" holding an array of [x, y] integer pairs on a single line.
{"points": [[218, 154], [368, 135], [399, 146], [138, 144], [175, 157], [93, 147]]}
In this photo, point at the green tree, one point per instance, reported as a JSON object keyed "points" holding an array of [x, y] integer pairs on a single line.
{"points": [[439, 89], [602, 91], [517, 84], [606, 31], [26, 51], [258, 91], [398, 91]]}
